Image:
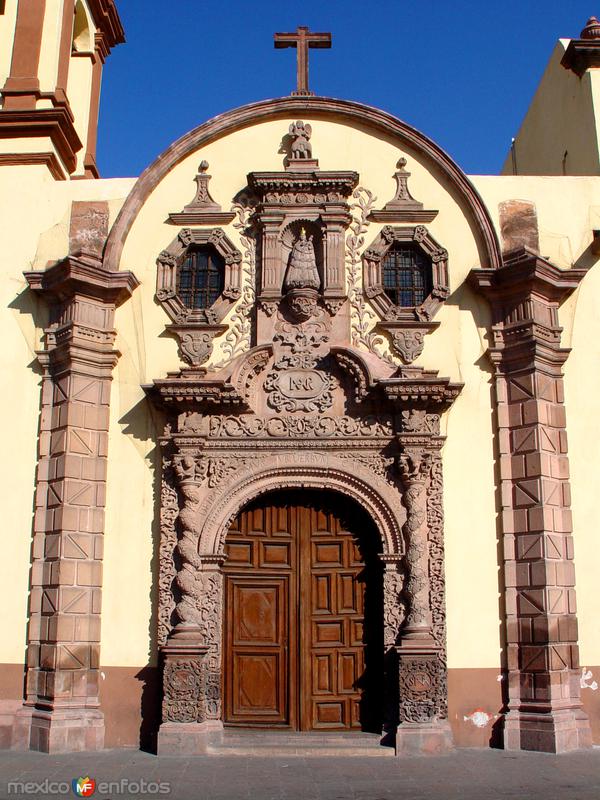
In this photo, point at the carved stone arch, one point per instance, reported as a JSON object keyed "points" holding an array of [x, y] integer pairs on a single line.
{"points": [[366, 117], [302, 470]]}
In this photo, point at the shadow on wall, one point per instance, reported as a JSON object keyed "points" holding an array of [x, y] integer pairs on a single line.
{"points": [[144, 422]]}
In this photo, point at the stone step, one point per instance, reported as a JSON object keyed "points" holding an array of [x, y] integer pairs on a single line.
{"points": [[291, 743]]}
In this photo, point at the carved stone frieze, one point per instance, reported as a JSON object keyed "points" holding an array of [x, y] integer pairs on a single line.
{"points": [[319, 427]]}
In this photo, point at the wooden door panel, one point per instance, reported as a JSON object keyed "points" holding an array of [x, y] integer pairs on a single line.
{"points": [[295, 586], [257, 638], [335, 619]]}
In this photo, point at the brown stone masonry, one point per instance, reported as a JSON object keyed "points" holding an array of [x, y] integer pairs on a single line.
{"points": [[544, 707], [61, 710]]}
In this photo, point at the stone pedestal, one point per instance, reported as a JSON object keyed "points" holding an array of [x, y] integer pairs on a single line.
{"points": [[559, 731], [58, 730], [424, 738], [189, 738]]}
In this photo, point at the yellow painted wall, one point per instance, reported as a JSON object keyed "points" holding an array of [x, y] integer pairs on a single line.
{"points": [[568, 208], [35, 224], [562, 118]]}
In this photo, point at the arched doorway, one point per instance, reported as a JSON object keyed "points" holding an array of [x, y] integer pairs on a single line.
{"points": [[303, 615]]}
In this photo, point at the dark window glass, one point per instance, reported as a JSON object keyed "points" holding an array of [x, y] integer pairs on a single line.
{"points": [[200, 278], [406, 275]]}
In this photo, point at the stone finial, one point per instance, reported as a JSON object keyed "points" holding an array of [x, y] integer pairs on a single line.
{"points": [[591, 29]]}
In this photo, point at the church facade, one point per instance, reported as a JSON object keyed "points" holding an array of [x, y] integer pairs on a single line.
{"points": [[304, 421]]}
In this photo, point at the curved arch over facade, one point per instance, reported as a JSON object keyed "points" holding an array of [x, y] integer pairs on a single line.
{"points": [[325, 107], [300, 471]]}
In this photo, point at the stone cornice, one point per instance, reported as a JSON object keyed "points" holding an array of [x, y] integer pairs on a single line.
{"points": [[55, 123], [421, 388], [82, 274], [581, 55], [319, 181], [108, 21], [525, 272]]}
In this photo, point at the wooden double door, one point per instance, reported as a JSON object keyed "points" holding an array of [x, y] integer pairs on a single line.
{"points": [[303, 615]]}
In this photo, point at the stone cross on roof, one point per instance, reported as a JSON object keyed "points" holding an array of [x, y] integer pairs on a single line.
{"points": [[302, 39]]}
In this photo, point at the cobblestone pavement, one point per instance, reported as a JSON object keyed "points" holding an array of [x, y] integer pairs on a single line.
{"points": [[464, 775]]}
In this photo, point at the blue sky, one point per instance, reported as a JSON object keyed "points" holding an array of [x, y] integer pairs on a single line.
{"points": [[463, 72]]}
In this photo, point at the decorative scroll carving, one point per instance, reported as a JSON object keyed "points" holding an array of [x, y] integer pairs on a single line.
{"points": [[183, 689], [196, 343], [394, 610], [169, 510], [419, 687], [362, 319], [294, 382], [437, 579], [408, 342], [238, 337], [415, 466], [417, 420], [320, 427]]}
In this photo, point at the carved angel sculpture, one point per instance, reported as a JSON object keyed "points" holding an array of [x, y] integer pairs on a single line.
{"points": [[301, 133]]}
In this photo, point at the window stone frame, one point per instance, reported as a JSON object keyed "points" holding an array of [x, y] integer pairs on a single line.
{"points": [[405, 326], [195, 329], [170, 260]]}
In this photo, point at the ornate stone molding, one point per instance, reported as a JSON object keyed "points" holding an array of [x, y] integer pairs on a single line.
{"points": [[544, 706], [169, 261], [61, 710], [403, 207], [202, 210], [373, 276]]}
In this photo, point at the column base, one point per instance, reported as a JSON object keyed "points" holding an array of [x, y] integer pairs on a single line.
{"points": [[59, 730], [558, 731], [189, 738], [424, 739]]}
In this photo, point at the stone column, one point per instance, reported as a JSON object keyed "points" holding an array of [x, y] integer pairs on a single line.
{"points": [[191, 709], [544, 707], [61, 710], [422, 671]]}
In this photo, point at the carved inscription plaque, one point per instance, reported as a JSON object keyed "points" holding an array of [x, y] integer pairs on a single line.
{"points": [[301, 384]]}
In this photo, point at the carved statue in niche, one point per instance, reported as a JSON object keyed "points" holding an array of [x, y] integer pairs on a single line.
{"points": [[301, 147], [302, 279], [302, 271]]}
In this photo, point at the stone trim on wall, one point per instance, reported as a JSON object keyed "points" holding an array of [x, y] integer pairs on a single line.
{"points": [[544, 709], [61, 709]]}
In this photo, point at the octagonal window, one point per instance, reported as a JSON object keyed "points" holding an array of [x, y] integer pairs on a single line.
{"points": [[200, 278], [407, 275]]}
